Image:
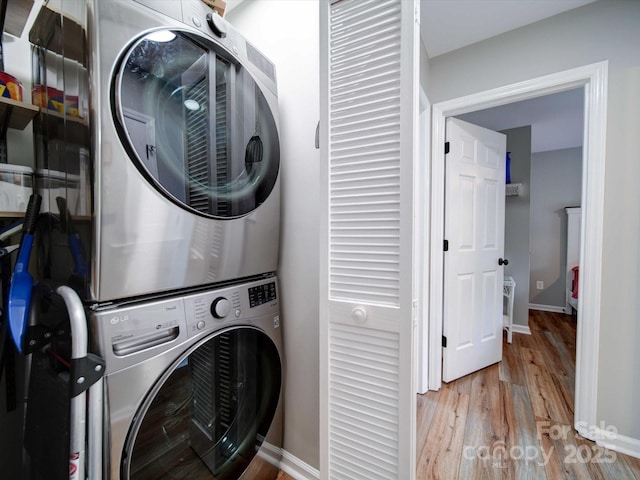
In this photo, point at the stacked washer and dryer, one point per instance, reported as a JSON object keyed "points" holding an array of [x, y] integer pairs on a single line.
{"points": [[182, 295]]}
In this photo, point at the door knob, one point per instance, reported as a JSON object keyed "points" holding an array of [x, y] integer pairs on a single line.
{"points": [[359, 315], [503, 261]]}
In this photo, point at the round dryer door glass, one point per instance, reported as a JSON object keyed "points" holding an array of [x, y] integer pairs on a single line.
{"points": [[210, 414], [197, 124]]}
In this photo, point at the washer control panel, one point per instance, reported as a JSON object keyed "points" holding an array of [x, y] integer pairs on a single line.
{"points": [[130, 333], [212, 310]]}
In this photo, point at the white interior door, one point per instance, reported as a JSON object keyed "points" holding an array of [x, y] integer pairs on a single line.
{"points": [[369, 110], [474, 232]]}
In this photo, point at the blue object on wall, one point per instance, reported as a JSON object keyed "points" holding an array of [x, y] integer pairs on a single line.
{"points": [[508, 167]]}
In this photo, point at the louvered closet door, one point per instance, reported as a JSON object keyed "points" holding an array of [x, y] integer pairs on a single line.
{"points": [[369, 101]]}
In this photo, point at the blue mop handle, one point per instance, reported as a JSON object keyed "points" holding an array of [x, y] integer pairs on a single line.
{"points": [[21, 281]]}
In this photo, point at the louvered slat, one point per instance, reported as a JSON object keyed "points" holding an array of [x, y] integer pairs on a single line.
{"points": [[364, 396], [364, 135], [222, 157], [204, 388], [197, 143]]}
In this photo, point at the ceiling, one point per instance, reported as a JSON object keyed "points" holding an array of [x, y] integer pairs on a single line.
{"points": [[446, 25]]}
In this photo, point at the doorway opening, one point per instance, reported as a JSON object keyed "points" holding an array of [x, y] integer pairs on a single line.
{"points": [[545, 138], [593, 80]]}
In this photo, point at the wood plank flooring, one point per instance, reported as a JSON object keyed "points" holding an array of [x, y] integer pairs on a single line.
{"points": [[284, 476], [513, 420]]}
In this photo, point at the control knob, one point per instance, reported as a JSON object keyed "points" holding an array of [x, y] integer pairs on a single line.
{"points": [[216, 24], [220, 307]]}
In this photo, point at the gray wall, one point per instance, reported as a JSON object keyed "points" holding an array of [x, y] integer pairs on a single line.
{"points": [[603, 30], [516, 221], [287, 32], [556, 183]]}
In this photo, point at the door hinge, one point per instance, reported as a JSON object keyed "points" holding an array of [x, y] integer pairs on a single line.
{"points": [[446, 147], [445, 247], [444, 341]]}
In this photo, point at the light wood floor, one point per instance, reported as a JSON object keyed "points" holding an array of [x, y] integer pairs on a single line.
{"points": [[513, 420]]}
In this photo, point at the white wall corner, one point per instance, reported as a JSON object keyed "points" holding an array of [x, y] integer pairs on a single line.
{"points": [[298, 469]]}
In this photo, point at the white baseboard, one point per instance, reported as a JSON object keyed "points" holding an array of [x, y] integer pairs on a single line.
{"points": [[521, 329], [298, 469], [614, 441], [546, 308], [622, 444], [270, 453]]}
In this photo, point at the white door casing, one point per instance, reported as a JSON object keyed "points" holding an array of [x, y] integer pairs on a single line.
{"points": [[474, 231], [594, 79], [368, 129]]}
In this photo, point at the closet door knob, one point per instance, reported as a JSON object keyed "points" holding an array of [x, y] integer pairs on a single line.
{"points": [[503, 261], [359, 315]]}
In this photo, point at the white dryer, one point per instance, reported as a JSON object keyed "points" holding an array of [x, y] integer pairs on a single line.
{"points": [[185, 148]]}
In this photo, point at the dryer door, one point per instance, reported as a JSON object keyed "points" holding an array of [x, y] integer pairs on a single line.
{"points": [[196, 123], [210, 413]]}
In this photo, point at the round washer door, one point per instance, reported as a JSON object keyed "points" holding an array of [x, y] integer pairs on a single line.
{"points": [[210, 413], [196, 123]]}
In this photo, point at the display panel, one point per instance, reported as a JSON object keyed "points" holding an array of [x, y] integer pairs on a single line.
{"points": [[262, 294]]}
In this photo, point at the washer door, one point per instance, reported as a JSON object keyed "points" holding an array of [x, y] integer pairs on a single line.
{"points": [[209, 414], [196, 123]]}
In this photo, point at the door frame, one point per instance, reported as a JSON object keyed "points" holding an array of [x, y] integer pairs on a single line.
{"points": [[593, 79]]}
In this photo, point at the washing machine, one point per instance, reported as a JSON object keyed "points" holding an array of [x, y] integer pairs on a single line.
{"points": [[193, 385], [185, 149]]}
